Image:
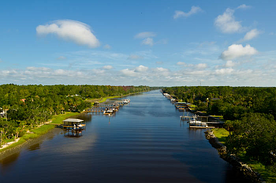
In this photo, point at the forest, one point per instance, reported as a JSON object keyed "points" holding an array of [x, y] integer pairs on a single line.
{"points": [[23, 107], [249, 114]]}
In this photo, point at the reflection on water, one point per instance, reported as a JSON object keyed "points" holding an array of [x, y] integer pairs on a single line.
{"points": [[35, 146], [144, 142], [9, 160]]}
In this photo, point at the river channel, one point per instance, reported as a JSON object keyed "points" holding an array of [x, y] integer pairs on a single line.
{"points": [[144, 142]]}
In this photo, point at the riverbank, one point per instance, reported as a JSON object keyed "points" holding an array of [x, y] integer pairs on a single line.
{"points": [[246, 170], [41, 130], [47, 126]]}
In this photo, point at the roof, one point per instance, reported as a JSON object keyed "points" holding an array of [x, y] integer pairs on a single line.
{"points": [[72, 120]]}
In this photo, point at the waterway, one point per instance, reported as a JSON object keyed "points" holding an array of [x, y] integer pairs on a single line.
{"points": [[144, 142]]}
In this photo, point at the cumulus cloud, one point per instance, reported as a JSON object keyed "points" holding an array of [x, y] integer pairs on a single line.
{"points": [[135, 57], [243, 6], [226, 22], [251, 34], [135, 72], [129, 72], [107, 46], [71, 30], [107, 67], [194, 10], [143, 35], [161, 69], [224, 71], [148, 41], [229, 63], [141, 68], [237, 50]]}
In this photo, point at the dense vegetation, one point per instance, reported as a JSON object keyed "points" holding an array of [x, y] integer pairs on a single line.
{"points": [[25, 107], [249, 113], [231, 102]]}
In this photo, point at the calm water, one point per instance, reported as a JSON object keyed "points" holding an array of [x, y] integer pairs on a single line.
{"points": [[144, 142]]}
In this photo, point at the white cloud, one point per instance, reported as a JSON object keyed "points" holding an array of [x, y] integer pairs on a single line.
{"points": [[181, 63], [229, 63], [143, 35], [194, 10], [161, 69], [61, 58], [224, 71], [237, 50], [107, 67], [135, 72], [75, 31], [251, 34], [243, 6], [135, 57], [148, 41], [129, 72], [107, 46], [141, 68], [226, 22], [201, 66]]}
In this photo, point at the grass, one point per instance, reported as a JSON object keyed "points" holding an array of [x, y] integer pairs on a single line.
{"points": [[221, 134], [101, 100], [105, 98], [267, 172], [217, 116], [56, 120]]}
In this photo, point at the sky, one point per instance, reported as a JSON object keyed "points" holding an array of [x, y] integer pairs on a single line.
{"points": [[145, 42]]}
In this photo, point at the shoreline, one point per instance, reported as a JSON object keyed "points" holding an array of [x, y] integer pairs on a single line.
{"points": [[241, 167], [27, 138], [36, 133], [27, 144]]}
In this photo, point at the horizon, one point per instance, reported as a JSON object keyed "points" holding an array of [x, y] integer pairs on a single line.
{"points": [[133, 43]]}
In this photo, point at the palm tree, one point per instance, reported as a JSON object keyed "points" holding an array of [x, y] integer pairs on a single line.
{"points": [[5, 109]]}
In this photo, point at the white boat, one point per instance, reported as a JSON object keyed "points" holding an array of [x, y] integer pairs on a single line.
{"points": [[108, 111], [194, 123], [126, 101]]}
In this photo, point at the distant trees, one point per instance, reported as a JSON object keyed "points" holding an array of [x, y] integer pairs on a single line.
{"points": [[231, 102], [30, 105], [249, 111]]}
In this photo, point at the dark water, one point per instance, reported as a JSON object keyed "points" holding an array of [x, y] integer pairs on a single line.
{"points": [[144, 142]]}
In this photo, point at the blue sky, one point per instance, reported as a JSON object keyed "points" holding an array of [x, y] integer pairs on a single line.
{"points": [[156, 43]]}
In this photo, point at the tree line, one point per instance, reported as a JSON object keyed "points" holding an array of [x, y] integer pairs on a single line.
{"points": [[24, 107], [249, 113]]}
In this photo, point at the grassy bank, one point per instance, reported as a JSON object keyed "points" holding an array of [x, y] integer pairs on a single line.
{"points": [[103, 99], [57, 119], [221, 134], [267, 172]]}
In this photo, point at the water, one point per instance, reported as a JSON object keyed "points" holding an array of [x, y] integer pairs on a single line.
{"points": [[144, 142]]}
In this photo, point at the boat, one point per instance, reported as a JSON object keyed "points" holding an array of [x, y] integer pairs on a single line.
{"points": [[126, 101], [194, 123], [108, 111]]}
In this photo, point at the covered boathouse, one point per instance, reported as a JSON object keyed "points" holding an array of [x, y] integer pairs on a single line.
{"points": [[73, 127]]}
